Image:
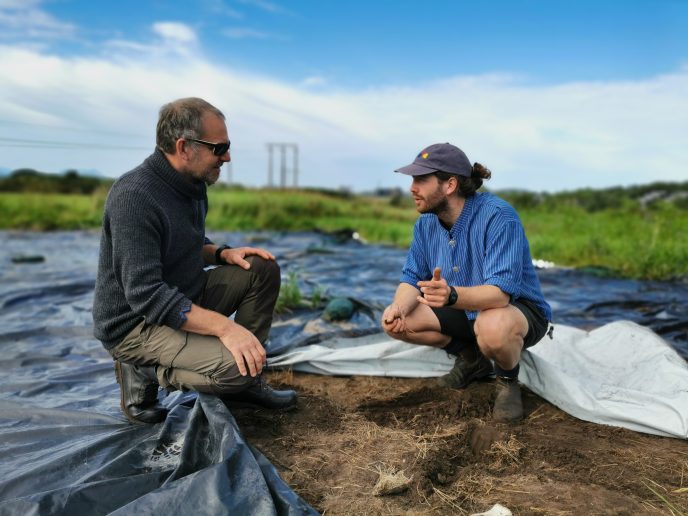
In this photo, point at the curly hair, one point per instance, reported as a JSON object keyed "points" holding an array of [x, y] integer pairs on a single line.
{"points": [[182, 118], [468, 185]]}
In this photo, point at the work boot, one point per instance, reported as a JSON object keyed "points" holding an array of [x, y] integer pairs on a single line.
{"points": [[508, 406], [465, 371], [261, 394], [139, 393]]}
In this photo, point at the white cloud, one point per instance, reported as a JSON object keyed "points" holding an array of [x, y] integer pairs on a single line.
{"points": [[170, 39], [175, 31], [536, 137], [25, 20]]}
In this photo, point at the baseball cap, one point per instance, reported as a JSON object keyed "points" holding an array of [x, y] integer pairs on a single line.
{"points": [[439, 157]]}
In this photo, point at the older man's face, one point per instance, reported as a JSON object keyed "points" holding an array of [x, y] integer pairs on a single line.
{"points": [[203, 165]]}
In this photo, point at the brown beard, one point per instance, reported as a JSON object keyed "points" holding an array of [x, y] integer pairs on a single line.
{"points": [[439, 206]]}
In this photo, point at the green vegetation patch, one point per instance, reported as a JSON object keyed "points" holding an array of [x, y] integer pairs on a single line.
{"points": [[376, 220], [630, 242], [637, 232], [50, 211]]}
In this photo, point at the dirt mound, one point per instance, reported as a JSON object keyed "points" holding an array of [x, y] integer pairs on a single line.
{"points": [[391, 446]]}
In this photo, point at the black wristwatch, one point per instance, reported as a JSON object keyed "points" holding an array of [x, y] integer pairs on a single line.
{"points": [[453, 296], [218, 252]]}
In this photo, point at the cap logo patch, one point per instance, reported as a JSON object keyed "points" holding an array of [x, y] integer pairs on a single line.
{"points": [[424, 155]]}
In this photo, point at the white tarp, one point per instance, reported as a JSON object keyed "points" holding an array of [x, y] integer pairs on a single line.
{"points": [[620, 374]]}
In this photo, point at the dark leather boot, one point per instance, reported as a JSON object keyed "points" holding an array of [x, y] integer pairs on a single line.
{"points": [[139, 393], [261, 394], [465, 371], [508, 404]]}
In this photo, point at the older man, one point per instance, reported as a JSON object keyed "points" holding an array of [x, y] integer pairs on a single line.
{"points": [[468, 285], [160, 314]]}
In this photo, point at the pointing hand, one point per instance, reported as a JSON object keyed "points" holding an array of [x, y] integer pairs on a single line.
{"points": [[436, 291], [437, 274]]}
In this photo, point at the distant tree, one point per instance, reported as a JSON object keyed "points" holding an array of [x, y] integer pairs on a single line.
{"points": [[522, 199], [30, 180]]}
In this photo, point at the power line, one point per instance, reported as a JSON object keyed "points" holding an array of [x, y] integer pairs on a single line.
{"points": [[53, 144], [56, 127]]}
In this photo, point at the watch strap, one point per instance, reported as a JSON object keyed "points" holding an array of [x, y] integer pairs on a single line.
{"points": [[453, 296], [218, 252]]}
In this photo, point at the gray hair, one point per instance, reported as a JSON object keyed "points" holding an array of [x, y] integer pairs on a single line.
{"points": [[182, 118]]}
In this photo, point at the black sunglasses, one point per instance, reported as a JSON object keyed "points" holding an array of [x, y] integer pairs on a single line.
{"points": [[219, 149]]}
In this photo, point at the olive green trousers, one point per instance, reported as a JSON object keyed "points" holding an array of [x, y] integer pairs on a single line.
{"points": [[190, 361]]}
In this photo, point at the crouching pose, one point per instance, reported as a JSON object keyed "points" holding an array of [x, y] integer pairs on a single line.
{"points": [[468, 285], [159, 313]]}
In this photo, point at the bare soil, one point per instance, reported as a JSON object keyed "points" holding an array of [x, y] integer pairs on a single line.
{"points": [[370, 445]]}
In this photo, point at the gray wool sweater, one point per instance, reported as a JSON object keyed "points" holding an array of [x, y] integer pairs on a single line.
{"points": [[151, 264]]}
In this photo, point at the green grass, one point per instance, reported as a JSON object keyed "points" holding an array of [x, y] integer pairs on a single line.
{"points": [[42, 211], [374, 219], [628, 240]]}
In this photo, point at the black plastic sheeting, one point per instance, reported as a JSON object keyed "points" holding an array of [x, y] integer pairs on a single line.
{"points": [[65, 447]]}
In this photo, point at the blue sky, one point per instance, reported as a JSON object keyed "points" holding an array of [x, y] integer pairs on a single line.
{"points": [[549, 95]]}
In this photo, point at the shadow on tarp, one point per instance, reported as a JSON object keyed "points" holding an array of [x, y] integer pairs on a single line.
{"points": [[66, 448]]}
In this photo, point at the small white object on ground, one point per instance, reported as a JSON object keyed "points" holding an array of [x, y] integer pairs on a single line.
{"points": [[496, 510]]}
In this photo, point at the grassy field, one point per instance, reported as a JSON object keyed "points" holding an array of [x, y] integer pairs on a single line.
{"points": [[626, 240], [48, 211]]}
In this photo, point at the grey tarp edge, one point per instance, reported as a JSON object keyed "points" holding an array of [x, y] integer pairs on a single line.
{"points": [[620, 374]]}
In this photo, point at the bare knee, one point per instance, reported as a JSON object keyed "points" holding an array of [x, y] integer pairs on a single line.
{"points": [[496, 329], [402, 336]]}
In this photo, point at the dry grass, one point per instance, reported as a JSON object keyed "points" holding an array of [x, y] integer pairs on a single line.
{"points": [[660, 493], [505, 453], [356, 442]]}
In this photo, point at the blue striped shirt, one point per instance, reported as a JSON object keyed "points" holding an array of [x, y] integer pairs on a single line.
{"points": [[486, 246]]}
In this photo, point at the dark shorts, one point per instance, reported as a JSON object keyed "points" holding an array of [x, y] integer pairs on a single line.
{"points": [[455, 323]]}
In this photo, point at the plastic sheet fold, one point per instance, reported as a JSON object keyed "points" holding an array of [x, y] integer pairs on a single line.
{"points": [[196, 462], [65, 447]]}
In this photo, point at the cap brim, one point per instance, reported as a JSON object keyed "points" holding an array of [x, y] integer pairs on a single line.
{"points": [[415, 170]]}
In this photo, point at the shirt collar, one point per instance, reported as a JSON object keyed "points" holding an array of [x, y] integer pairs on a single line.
{"points": [[465, 215]]}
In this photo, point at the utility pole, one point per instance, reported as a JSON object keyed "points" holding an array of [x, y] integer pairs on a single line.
{"points": [[270, 175], [284, 171], [295, 165]]}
